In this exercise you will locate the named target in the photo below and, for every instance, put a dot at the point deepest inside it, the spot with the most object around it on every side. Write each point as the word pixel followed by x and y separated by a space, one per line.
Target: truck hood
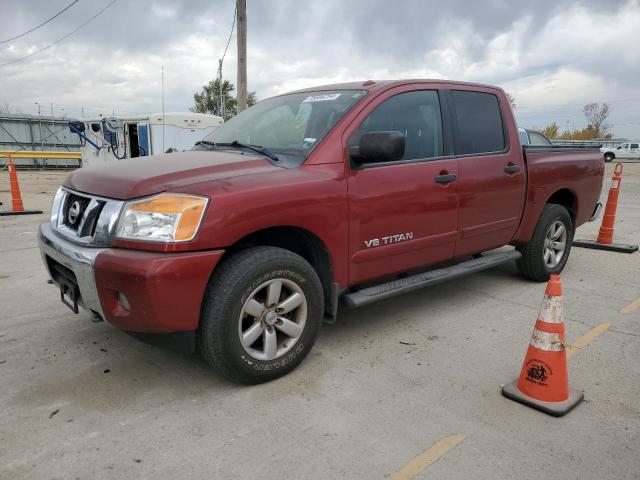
pixel 139 177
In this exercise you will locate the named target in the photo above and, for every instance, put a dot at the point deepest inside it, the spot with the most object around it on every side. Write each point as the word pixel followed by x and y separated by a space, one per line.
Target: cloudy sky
pixel 552 55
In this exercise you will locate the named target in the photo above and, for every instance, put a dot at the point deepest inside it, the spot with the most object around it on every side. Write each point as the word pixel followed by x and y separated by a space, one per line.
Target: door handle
pixel 446 178
pixel 511 168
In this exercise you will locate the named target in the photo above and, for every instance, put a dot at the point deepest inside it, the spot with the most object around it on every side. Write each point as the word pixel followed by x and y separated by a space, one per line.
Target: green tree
pixel 551 131
pixel 208 99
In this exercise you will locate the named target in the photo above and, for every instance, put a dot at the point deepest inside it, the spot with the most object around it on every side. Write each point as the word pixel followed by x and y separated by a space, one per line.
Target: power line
pixel 60 39
pixel 220 99
pixel 233 24
pixel 43 23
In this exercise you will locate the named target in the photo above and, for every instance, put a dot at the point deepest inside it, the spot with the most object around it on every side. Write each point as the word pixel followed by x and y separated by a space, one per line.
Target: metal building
pixel 21 132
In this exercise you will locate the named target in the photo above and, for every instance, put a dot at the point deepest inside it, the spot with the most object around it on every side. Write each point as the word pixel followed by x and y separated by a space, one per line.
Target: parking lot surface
pixel 409 386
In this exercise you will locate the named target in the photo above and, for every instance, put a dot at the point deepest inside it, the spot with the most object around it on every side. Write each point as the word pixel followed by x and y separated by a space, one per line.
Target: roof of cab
pixel 375 85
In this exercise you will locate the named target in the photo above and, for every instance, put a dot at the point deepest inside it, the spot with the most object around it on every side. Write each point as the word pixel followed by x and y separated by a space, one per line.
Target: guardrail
pixel 75 159
pixel 39 154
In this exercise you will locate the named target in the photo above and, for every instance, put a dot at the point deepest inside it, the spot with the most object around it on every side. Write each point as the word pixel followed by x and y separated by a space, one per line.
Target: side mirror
pixel 379 147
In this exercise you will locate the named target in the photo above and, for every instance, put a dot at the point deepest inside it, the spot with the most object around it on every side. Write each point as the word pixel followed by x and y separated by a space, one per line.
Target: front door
pixel 402 214
pixel 492 171
pixel 622 151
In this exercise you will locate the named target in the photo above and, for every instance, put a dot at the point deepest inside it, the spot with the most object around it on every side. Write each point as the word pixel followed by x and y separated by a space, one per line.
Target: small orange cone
pixel 605 235
pixel 16 198
pixel 544 383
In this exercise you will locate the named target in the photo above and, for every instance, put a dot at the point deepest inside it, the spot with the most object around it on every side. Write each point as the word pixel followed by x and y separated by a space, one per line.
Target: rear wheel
pixel 549 248
pixel 261 314
pixel 608 157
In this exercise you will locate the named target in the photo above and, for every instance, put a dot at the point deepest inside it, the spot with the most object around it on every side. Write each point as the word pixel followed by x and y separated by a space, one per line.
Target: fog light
pixel 124 303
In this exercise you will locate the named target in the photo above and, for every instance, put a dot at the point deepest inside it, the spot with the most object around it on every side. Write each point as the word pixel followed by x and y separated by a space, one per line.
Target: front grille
pixel 74 209
pixel 85 219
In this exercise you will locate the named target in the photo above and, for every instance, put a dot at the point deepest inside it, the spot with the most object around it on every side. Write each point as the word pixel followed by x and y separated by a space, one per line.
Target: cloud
pixel 553 56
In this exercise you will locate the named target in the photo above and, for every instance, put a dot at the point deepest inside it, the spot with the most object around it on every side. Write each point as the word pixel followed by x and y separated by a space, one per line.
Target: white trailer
pixel 111 139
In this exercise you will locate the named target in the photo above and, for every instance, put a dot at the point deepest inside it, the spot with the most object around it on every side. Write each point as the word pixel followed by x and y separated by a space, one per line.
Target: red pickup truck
pixel 353 192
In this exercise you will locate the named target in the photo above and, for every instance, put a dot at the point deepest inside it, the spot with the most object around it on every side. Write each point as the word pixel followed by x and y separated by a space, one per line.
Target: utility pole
pixel 53 125
pixel 241 8
pixel 40 126
pixel 220 99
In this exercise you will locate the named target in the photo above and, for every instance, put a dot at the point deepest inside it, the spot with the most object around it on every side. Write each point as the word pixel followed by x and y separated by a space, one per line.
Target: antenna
pixel 162 78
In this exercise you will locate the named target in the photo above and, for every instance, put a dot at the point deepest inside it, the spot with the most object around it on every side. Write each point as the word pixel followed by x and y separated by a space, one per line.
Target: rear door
pixel 402 214
pixel 634 150
pixel 491 170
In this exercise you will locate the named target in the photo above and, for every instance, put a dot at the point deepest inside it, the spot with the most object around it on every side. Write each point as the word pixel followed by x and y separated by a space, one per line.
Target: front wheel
pixel 261 314
pixel 608 157
pixel 549 248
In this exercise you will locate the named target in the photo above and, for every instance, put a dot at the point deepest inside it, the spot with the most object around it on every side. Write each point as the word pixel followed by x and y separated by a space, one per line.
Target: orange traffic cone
pixel 544 383
pixel 16 198
pixel 605 235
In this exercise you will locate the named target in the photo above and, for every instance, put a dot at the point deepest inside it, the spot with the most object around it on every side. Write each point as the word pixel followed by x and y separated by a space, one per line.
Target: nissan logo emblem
pixel 74 212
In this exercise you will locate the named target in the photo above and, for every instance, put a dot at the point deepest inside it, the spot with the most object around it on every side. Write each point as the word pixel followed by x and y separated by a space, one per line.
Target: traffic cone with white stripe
pixel 544 381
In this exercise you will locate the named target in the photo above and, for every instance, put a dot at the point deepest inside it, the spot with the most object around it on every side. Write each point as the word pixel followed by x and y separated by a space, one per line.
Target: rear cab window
pixel 480 129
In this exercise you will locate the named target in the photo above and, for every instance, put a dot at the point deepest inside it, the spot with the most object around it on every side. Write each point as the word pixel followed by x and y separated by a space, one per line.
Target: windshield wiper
pixel 206 142
pixel 255 148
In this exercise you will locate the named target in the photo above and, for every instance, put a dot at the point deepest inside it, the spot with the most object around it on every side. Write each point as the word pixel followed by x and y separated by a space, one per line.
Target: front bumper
pixel 76 258
pixel 135 291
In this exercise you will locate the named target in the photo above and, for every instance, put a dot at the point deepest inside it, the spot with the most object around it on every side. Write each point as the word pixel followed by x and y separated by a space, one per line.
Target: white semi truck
pixel 111 139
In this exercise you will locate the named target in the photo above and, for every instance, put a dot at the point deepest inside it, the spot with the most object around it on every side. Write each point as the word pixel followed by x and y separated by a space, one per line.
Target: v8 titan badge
pixel 376 242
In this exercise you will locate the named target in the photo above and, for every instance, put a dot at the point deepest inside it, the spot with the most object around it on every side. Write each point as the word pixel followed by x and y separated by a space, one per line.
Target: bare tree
pixel 6 107
pixel 512 100
pixel 597 118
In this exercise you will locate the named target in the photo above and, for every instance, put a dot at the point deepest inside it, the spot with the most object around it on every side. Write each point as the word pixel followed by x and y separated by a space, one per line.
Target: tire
pixel 608 157
pixel 243 284
pixel 534 263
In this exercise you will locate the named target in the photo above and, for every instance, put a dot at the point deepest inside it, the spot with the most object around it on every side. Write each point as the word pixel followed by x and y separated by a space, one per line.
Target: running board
pixel 414 282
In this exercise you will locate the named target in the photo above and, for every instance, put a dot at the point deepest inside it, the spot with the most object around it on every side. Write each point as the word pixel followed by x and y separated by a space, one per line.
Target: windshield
pixel 288 126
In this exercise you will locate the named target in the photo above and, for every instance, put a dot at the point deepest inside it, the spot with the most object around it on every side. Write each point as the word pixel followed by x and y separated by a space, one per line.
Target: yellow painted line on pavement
pixel 586 339
pixel 632 307
pixel 419 464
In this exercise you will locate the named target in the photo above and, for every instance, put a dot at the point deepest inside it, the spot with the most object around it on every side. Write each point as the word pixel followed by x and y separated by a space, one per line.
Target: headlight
pixel 55 206
pixel 162 218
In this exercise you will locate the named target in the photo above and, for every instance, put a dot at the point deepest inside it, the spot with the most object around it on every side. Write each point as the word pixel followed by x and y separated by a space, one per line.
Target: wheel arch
pixel 567 199
pixel 302 242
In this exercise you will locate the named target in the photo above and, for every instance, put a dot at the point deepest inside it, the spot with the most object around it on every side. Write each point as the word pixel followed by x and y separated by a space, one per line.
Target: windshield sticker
pixel 308 142
pixel 325 97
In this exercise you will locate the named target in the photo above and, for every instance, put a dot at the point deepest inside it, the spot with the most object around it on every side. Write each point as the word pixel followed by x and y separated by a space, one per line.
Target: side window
pixel 416 115
pixel 634 145
pixel 479 123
